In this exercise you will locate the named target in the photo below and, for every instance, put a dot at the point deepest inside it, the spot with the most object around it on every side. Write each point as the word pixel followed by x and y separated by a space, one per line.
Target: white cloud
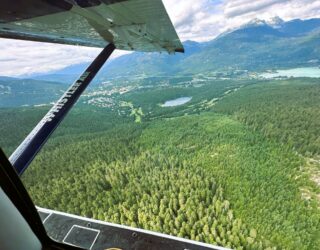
pixel 241 11
pixel 195 20
pixel 202 20
pixel 199 20
pixel 25 58
pixel 242 7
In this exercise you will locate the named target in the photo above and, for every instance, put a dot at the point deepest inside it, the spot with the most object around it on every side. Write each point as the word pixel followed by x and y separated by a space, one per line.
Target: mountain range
pixel 19 92
pixel 256 46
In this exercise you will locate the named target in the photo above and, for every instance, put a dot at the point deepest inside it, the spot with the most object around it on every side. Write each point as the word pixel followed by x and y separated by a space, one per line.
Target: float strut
pixel 28 149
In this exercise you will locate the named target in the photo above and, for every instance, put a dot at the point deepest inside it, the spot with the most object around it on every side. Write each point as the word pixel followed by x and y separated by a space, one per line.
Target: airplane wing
pixel 140 25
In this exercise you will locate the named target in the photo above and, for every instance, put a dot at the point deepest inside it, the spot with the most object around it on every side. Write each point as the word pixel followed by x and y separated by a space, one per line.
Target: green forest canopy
pixel 225 173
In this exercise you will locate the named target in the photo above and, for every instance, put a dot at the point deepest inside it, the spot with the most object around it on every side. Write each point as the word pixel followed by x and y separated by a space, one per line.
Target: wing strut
pixel 28 149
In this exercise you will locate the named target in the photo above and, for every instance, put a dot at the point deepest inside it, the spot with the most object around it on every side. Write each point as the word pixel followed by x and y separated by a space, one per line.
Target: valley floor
pixel 222 169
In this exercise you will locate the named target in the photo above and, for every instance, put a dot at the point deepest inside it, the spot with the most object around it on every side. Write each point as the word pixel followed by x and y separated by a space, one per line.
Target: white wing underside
pixel 140 25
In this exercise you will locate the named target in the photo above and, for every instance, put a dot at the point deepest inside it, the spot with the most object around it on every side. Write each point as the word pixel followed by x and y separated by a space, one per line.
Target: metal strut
pixel 28 149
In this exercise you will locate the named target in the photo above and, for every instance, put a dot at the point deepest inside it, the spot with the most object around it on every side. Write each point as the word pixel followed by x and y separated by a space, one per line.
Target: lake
pixel 176 102
pixel 296 72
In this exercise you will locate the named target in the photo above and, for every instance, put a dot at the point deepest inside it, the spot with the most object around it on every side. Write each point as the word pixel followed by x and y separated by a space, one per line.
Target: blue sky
pixel 198 20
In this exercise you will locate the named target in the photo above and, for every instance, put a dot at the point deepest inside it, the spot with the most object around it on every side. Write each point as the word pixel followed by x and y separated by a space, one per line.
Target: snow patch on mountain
pixel 275 22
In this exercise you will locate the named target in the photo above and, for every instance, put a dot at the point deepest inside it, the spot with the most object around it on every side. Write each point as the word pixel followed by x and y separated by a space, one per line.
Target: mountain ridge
pixel 257 45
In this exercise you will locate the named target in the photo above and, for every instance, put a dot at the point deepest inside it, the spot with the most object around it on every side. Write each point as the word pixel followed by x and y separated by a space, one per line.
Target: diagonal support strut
pixel 28 149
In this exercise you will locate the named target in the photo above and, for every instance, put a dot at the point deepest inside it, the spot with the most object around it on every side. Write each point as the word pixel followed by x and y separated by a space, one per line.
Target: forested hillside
pixel 287 111
pixel 222 168
pixel 22 92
